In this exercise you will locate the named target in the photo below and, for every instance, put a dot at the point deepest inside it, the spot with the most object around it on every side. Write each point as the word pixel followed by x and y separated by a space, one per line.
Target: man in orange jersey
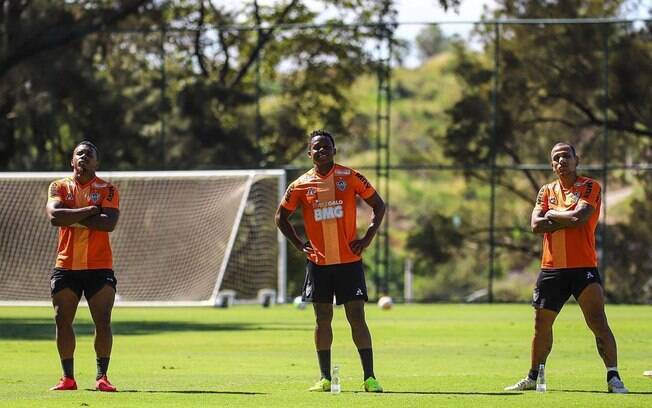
pixel 85 208
pixel 566 213
pixel 327 195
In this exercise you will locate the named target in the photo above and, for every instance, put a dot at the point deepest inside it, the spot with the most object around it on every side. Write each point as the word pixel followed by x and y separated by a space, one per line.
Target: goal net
pixel 182 236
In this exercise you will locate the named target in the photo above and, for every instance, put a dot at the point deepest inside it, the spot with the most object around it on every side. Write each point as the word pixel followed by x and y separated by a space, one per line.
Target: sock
pixel 324 357
pixel 102 367
pixel 367 359
pixel 68 366
pixel 533 374
pixel 612 372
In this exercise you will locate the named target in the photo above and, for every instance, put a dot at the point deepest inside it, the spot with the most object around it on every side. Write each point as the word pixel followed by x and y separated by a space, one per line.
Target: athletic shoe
pixel 322 385
pixel 103 384
pixel 372 385
pixel 616 386
pixel 526 384
pixel 65 384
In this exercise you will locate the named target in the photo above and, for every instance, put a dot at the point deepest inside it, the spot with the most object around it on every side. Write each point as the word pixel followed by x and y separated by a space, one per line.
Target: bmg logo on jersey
pixel 329 210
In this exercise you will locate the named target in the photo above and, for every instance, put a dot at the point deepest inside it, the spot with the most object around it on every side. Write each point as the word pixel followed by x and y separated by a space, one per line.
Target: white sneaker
pixel 616 386
pixel 525 384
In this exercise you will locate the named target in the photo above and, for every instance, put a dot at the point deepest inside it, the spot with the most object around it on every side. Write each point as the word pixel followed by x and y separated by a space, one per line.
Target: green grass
pixel 426 355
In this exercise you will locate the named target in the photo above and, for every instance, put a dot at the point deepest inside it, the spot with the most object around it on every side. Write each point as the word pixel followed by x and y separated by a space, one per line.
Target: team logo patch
pixel 341 184
pixel 359 292
pixel 95 197
pixel 69 196
pixel 589 275
pixel 553 200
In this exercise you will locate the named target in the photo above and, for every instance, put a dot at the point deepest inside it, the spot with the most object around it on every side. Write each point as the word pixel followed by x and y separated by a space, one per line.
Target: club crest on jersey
pixel 95 197
pixel 341 184
pixel 553 200
pixel 69 196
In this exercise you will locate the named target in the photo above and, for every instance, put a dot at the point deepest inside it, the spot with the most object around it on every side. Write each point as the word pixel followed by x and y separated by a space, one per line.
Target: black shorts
pixel 555 286
pixel 345 281
pixel 88 281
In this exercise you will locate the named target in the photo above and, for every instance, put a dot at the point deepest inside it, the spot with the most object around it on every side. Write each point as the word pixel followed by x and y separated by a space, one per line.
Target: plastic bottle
pixel 541 379
pixel 335 380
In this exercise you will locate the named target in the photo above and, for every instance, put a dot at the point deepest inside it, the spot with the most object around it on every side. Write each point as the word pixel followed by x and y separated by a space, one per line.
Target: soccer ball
pixel 385 302
pixel 648 373
pixel 298 303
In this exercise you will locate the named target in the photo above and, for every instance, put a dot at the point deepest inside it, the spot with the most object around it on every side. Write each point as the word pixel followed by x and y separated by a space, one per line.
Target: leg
pixel 65 304
pixel 359 330
pixel 323 329
pixel 542 340
pixel 101 305
pixel 591 300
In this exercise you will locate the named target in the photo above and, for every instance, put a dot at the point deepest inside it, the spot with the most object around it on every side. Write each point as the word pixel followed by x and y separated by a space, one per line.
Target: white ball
pixel 298 303
pixel 385 302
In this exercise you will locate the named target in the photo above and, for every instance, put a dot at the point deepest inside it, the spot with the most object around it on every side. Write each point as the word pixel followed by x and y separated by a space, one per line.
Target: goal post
pixel 183 236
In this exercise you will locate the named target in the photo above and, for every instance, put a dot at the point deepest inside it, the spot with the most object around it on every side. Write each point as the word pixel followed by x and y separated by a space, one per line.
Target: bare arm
pixel 540 224
pixel 378 206
pixel 283 223
pixel 60 216
pixel 105 221
pixel 575 218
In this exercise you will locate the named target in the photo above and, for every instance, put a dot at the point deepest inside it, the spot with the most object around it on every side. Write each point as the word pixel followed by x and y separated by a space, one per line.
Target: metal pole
pixel 494 137
pixel 605 151
pixel 162 101
pixel 258 117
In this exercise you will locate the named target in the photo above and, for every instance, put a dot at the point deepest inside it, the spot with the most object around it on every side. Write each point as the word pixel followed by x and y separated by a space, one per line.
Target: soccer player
pixel 85 208
pixel 327 196
pixel 566 213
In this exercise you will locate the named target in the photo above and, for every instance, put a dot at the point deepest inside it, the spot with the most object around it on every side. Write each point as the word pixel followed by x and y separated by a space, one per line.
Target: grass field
pixel 426 355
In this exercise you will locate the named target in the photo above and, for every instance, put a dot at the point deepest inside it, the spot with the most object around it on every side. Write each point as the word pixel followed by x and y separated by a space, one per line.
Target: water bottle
pixel 541 379
pixel 335 380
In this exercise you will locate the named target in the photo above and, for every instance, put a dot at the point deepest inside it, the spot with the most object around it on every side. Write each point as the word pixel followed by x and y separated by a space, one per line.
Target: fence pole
pixel 162 103
pixel 605 150
pixel 493 142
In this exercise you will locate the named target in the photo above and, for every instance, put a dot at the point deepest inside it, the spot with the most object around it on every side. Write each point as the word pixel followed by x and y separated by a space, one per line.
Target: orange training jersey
pixel 570 247
pixel 329 211
pixel 80 247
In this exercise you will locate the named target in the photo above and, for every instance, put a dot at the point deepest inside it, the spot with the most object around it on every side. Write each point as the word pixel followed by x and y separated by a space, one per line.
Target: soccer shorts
pixel 555 286
pixel 87 282
pixel 344 281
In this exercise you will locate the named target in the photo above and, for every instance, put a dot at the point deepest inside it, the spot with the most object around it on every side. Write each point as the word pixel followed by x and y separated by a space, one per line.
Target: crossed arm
pixel 552 220
pixel 91 217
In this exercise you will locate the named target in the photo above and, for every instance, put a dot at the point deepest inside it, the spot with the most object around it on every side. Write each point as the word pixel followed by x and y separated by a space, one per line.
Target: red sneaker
pixel 103 384
pixel 65 384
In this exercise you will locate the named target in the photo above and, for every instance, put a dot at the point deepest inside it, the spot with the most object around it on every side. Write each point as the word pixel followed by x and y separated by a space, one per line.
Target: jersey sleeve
pixel 362 186
pixel 112 198
pixel 54 191
pixel 591 194
pixel 541 203
pixel 291 198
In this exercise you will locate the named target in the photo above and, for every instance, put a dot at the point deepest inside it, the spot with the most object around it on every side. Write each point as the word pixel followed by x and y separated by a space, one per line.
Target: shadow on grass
pixel 192 392
pixel 43 329
pixel 490 394
pixel 605 392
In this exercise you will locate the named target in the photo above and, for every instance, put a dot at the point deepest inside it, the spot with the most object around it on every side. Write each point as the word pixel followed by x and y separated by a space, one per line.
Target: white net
pixel 182 236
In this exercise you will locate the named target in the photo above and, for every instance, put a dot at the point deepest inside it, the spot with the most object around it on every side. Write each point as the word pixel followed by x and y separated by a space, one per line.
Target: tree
pixel 431 41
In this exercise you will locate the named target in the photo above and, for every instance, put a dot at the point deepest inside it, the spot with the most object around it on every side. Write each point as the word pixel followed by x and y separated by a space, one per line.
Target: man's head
pixel 564 159
pixel 321 147
pixel 85 158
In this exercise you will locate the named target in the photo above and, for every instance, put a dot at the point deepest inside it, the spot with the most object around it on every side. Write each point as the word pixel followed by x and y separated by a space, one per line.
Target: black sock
pixel 68 366
pixel 533 374
pixel 611 374
pixel 324 357
pixel 367 359
pixel 102 367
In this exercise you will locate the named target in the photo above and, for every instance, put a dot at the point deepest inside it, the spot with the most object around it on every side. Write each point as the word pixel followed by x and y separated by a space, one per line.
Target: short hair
pixel 566 144
pixel 321 132
pixel 91 145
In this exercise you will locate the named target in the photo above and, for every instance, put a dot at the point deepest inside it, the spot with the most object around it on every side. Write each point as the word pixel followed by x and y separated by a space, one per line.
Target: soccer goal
pixel 182 239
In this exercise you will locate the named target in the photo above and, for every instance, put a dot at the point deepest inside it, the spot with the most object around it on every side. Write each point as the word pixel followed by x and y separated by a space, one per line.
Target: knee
pixel 598 323
pixel 542 326
pixel 356 320
pixel 323 320
pixel 62 320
